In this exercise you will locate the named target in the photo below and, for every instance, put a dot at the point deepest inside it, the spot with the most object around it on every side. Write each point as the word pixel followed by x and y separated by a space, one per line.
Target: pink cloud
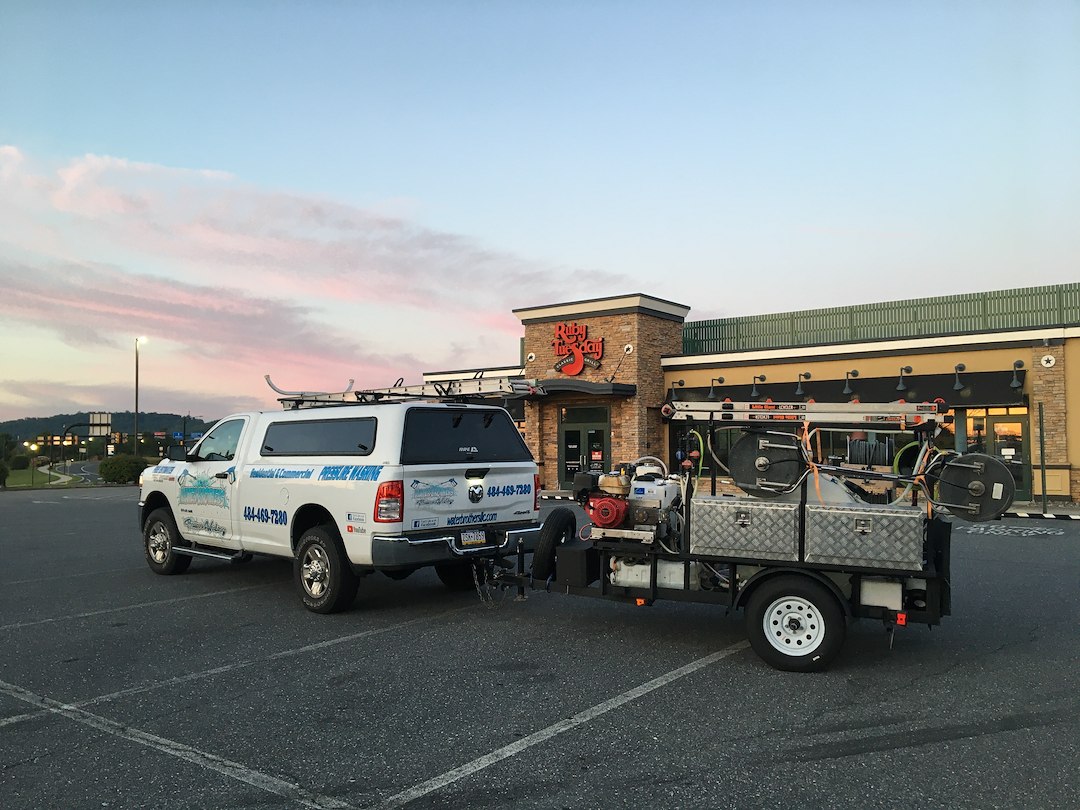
pixel 247 281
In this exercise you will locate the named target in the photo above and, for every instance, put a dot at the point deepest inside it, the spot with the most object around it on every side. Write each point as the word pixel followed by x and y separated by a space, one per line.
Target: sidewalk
pixel 1034 509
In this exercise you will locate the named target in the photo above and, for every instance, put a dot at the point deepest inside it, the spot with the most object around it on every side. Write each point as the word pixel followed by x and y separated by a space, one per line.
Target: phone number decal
pixel 509 489
pixel 277 517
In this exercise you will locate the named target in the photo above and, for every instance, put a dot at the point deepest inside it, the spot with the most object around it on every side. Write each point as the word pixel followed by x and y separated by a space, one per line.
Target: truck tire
pixel 560 526
pixel 160 537
pixel 795 624
pixel 326 582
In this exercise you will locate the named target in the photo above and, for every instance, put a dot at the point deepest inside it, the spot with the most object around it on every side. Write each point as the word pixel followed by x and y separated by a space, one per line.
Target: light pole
pixel 135 440
pixel 33 448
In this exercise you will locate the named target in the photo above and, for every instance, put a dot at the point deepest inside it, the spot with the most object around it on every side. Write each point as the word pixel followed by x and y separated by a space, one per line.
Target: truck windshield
pixel 446 435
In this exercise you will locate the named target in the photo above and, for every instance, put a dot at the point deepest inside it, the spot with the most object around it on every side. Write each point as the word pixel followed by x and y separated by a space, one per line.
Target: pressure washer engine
pixel 636 501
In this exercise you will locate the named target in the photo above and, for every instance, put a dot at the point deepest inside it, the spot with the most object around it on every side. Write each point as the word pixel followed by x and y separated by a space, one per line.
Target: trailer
pixel 798 543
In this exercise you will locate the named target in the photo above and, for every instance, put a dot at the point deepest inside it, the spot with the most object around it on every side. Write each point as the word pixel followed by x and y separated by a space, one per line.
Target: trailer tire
pixel 326 582
pixel 795 624
pixel 160 537
pixel 560 526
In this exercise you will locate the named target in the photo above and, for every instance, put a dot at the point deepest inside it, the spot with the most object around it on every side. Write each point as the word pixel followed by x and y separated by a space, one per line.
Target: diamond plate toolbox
pixel 744 527
pixel 865 536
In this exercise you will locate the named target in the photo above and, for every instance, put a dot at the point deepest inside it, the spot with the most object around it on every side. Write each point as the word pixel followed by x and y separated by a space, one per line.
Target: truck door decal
pixel 202 490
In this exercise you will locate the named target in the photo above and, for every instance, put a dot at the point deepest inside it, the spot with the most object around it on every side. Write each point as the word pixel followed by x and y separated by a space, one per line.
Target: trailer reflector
pixel 901 619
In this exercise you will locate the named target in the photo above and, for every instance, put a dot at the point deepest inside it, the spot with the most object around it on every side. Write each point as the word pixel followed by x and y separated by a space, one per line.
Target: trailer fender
pixel 769 573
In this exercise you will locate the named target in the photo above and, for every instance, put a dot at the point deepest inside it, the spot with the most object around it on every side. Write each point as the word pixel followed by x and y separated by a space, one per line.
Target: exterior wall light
pixel 848 377
pixel 712 391
pixel 958 385
pixel 753 390
pixel 1017 365
pixel 803 375
pixel 902 386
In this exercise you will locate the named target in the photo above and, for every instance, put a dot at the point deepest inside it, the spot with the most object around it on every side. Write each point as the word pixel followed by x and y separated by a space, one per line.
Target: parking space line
pixel 36 622
pixel 226 767
pixel 208 673
pixel 516 747
pixel 71 576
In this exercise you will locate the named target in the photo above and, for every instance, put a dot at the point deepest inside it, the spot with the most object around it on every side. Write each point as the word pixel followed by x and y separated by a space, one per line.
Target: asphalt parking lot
pixel 216 689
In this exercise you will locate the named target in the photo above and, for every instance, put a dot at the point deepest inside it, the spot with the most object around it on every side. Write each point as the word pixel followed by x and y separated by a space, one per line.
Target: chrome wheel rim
pixel 158 543
pixel 794 626
pixel 315 571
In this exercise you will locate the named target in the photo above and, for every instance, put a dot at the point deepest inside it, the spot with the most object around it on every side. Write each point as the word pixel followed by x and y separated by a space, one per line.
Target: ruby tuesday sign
pixel 574 350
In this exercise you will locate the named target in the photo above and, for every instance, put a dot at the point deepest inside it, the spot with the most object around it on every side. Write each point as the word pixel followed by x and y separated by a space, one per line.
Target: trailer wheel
pixel 327 584
pixel 795 624
pixel 560 526
pixel 160 536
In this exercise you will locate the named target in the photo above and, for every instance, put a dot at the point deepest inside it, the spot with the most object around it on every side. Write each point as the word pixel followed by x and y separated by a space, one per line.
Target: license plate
pixel 473 537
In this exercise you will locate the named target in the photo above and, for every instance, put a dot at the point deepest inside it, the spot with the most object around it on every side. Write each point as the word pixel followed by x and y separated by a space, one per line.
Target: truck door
pixel 207 499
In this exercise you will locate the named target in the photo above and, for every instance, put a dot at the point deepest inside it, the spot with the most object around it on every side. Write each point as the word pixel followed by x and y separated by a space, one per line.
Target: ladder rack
pixel 886 416
pixel 452 390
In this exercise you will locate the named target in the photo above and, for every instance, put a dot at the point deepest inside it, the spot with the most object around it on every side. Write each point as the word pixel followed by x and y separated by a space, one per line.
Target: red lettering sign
pixel 575 350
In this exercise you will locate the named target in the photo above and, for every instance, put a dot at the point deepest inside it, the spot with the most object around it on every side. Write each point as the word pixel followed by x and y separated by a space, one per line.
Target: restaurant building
pixel 1005 363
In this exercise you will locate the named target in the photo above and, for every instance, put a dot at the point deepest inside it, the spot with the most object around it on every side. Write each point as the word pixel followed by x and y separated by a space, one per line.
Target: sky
pixel 330 190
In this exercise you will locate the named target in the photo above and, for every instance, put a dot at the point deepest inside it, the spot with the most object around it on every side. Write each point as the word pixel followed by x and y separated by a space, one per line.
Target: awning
pixel 570 385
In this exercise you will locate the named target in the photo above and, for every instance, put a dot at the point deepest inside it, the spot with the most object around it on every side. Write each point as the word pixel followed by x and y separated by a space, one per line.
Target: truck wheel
pixel 327 583
pixel 459 576
pixel 795 624
pixel 160 536
pixel 560 526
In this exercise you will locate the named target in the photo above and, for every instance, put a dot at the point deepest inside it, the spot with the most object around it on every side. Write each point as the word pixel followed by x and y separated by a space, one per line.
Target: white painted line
pixel 36 622
pixel 209 673
pixel 226 767
pixel 71 576
pixel 516 747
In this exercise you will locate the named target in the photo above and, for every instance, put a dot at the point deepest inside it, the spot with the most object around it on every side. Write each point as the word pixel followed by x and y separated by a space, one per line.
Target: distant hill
pixel 32 427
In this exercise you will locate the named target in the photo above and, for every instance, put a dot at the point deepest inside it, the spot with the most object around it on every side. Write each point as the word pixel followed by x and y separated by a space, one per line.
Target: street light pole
pixel 33 448
pixel 135 440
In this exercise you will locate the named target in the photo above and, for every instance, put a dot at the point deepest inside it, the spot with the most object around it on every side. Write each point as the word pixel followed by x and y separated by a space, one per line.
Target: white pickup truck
pixel 344 491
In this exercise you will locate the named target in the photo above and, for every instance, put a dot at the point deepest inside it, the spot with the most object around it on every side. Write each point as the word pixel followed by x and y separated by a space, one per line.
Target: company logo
pixel 476 493
pixel 575 350
pixel 426 493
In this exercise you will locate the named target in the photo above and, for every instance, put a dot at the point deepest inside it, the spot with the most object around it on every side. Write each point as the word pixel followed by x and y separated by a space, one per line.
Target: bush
pixel 20 462
pixel 122 469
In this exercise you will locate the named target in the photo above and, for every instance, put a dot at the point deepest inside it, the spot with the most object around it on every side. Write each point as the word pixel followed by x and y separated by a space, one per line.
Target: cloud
pixel 204 222
pixel 233 281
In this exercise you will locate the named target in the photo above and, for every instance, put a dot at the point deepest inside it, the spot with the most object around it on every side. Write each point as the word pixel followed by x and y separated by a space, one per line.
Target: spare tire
pixel 560 526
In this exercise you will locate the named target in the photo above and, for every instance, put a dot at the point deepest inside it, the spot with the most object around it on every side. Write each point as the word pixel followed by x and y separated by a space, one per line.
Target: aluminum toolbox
pixel 744 527
pixel 865 536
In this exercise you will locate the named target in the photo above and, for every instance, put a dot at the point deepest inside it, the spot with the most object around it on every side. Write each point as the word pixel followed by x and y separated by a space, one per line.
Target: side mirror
pixel 177 453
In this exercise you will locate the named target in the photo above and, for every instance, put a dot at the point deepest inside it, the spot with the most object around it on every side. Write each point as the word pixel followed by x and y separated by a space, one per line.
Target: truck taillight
pixel 536 493
pixel 389 502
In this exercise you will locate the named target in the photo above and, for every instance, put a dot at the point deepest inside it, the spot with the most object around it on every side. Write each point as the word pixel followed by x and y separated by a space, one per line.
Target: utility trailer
pixel 799 549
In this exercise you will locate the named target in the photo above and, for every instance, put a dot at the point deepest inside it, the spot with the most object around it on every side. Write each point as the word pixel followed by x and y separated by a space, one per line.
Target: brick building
pixel 1004 362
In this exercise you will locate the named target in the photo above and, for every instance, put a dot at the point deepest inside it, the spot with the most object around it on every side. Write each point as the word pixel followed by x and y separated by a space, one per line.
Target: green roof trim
pixel 969 313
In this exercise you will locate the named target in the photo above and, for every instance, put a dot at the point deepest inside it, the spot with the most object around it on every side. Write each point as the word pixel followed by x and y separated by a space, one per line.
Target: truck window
pixel 221 442
pixel 437 436
pixel 321 437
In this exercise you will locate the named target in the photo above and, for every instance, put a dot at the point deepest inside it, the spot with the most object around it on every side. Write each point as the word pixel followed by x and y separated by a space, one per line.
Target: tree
pixel 3 475
pixel 122 469
pixel 7 446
